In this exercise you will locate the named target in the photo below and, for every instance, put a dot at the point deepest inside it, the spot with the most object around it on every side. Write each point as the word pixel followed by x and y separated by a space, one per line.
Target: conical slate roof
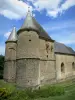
pixel 12 36
pixel 63 49
pixel 31 24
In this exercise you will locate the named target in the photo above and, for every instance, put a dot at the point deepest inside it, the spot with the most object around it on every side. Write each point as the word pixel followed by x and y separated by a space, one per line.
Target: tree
pixel 1 66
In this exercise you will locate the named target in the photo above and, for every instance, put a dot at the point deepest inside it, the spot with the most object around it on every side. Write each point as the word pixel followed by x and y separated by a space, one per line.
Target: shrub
pixel 19 95
pixel 1 66
pixel 4 93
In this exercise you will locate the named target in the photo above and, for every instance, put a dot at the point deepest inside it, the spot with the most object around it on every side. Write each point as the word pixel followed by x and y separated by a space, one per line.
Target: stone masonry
pixel 33 59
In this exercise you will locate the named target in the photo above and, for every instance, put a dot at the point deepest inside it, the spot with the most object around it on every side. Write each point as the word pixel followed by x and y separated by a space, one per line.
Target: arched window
pixel 62 68
pixel 73 66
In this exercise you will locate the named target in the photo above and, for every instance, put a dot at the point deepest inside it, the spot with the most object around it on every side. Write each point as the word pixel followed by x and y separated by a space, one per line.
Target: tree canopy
pixel 1 65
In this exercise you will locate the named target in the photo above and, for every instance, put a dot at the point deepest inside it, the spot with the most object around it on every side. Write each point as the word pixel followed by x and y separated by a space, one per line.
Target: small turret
pixel 11 46
pixel 10 57
pixel 13 36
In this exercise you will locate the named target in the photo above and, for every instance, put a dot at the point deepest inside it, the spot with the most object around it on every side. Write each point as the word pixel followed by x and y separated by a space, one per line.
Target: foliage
pixel 4 93
pixel 1 66
pixel 18 95
pixel 6 89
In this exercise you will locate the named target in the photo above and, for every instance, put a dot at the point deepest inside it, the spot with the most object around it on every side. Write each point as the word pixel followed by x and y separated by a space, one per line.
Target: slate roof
pixel 31 24
pixel 12 36
pixel 63 49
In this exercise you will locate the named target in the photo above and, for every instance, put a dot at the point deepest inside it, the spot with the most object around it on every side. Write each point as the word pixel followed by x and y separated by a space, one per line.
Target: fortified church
pixel 33 58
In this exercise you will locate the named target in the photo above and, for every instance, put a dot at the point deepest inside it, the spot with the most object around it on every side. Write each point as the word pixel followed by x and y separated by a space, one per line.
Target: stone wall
pixel 35 60
pixel 28 59
pixel 28 73
pixel 47 72
pixel 28 45
pixel 47 62
pixel 67 70
pixel 45 50
pixel 10 71
pixel 10 62
pixel 10 51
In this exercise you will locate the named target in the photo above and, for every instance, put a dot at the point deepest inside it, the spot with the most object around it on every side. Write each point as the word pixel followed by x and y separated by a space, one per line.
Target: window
pixel 29 39
pixel 62 68
pixel 47 56
pixel 73 66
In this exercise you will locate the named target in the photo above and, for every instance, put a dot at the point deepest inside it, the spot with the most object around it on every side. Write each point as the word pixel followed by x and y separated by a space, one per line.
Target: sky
pixel 57 17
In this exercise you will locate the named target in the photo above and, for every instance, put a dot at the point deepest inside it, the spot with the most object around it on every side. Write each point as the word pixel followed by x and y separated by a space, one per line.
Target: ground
pixel 69 87
pixel 69 95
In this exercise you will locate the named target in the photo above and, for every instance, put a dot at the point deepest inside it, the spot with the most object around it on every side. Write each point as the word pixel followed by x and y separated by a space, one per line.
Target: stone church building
pixel 33 58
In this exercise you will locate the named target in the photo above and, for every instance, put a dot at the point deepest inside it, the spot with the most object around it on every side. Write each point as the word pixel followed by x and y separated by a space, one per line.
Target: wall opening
pixel 47 47
pixel 62 68
pixel 47 56
pixel 51 48
pixel 29 39
pixel 73 66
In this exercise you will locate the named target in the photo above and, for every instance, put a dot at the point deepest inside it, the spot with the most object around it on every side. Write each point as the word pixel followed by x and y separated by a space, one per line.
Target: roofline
pixel 64 53
pixel 51 40
pixel 26 29
pixel 30 29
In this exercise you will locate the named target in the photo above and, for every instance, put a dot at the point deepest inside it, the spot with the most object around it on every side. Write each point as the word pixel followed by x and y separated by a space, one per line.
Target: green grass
pixel 43 93
pixel 10 87
pixel 69 92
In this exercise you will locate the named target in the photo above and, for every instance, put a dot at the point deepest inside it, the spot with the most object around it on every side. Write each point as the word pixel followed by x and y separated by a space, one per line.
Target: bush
pixel 1 66
pixel 1 74
pixel 6 90
pixel 4 93
pixel 19 95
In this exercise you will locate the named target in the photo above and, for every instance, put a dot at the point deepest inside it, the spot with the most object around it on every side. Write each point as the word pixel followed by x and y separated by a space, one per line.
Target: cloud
pixel 52 7
pixel 46 4
pixel 13 9
pixel 17 9
pixel 6 35
pixel 67 4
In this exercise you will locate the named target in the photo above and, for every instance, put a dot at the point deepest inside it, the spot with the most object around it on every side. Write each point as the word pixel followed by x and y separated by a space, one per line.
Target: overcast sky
pixel 57 17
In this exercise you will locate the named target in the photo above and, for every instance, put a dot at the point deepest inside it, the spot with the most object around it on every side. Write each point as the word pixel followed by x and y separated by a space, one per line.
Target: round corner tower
pixel 28 54
pixel 10 57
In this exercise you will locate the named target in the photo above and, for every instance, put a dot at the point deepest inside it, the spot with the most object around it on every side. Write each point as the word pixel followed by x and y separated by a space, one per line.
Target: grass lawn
pixel 69 92
pixel 68 85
